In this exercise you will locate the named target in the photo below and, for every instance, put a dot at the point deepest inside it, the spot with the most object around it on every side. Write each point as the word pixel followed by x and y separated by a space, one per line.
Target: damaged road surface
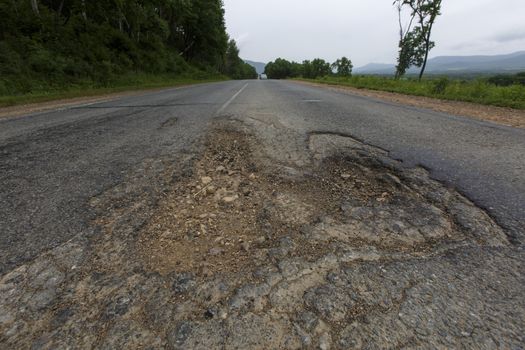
pixel 194 220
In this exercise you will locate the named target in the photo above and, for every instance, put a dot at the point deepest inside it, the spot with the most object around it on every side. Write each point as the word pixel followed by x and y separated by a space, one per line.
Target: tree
pixel 235 67
pixel 34 7
pixel 279 69
pixel 306 69
pixel 315 68
pixel 232 58
pixel 411 52
pixel 320 67
pixel 343 67
pixel 415 43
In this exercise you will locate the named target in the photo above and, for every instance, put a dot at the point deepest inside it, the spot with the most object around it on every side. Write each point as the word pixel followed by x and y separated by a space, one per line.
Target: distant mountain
pixel 376 68
pixel 259 66
pixel 510 63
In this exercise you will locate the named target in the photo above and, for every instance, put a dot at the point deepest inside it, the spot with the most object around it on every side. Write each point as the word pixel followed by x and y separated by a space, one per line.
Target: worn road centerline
pixel 224 106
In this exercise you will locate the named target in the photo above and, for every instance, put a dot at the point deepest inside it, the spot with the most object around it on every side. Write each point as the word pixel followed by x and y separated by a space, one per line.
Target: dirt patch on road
pixel 230 212
pixel 499 115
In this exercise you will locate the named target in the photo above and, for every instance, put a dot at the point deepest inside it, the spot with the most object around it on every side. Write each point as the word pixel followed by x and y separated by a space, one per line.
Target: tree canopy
pixel 316 68
pixel 57 40
pixel 414 41
pixel 343 67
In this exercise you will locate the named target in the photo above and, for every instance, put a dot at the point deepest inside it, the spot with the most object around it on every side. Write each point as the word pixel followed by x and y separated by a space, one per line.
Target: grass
pixel 129 82
pixel 476 91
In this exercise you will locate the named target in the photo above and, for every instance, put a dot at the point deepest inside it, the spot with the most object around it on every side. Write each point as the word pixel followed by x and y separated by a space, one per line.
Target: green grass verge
pixel 477 91
pixel 130 82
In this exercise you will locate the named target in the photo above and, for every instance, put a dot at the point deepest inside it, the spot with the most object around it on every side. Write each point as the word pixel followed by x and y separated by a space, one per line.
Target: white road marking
pixel 224 106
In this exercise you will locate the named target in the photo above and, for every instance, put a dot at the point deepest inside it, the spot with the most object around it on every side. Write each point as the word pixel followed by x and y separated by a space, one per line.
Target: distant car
pixel 263 76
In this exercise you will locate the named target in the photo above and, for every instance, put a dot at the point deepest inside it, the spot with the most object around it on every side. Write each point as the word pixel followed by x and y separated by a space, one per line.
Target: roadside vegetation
pixel 53 49
pixel 482 91
pixel 500 90
pixel 129 82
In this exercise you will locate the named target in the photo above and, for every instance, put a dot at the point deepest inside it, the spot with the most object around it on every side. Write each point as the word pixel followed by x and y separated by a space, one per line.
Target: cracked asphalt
pixel 260 214
pixel 483 160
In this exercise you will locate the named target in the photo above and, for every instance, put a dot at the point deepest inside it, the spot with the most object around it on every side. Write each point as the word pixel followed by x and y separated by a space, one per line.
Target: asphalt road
pixel 53 163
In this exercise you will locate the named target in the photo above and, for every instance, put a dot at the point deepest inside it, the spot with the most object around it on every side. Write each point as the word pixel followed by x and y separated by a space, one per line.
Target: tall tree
pixel 415 41
pixel 320 68
pixel 34 6
pixel 235 67
pixel 343 67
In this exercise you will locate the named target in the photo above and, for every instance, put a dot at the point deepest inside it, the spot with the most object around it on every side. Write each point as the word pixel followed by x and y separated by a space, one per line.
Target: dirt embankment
pixel 499 115
pixel 267 240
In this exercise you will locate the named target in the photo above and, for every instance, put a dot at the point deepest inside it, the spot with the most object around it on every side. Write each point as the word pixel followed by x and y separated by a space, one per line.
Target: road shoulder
pixel 37 107
pixel 500 115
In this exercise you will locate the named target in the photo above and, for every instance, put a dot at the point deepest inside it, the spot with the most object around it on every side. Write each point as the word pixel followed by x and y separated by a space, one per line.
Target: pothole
pixel 232 211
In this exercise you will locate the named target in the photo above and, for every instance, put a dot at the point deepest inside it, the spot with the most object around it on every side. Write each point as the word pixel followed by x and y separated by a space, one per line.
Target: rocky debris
pixel 230 199
pixel 183 283
pixel 206 180
pixel 339 247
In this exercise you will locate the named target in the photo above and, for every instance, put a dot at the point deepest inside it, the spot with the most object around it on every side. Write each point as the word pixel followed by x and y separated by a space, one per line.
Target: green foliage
pixel 65 43
pixel 343 67
pixel 414 42
pixel 235 67
pixel 283 69
pixel 477 91
pixel 440 85
pixel 316 68
pixel 507 79
pixel 411 51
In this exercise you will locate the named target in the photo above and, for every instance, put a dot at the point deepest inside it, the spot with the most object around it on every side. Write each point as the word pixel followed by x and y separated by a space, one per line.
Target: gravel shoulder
pixel 499 115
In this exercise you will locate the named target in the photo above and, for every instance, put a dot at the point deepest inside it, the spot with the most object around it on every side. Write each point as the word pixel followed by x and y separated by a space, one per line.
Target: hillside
pixel 510 63
pixel 55 46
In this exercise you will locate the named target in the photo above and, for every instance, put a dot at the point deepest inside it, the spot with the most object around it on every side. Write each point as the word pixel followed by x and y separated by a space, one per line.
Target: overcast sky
pixel 367 30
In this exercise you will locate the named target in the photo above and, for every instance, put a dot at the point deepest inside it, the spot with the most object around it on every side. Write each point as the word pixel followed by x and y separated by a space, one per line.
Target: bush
pixel 508 80
pixel 440 86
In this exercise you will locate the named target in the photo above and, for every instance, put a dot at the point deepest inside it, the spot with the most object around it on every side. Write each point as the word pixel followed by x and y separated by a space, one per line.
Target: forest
pixel 56 44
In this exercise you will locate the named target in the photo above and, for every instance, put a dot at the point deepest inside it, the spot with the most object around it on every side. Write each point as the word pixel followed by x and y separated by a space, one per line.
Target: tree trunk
pixel 188 47
pixel 84 14
pixel 34 6
pixel 15 7
pixel 424 65
pixel 60 8
pixel 427 49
